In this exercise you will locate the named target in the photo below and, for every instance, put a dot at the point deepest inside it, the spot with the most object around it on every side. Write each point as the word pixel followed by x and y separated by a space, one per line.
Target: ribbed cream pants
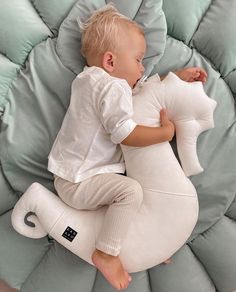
pixel 122 195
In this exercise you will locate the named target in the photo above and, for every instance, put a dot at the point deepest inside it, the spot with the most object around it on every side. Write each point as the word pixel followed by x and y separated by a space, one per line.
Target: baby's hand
pixel 192 74
pixel 167 125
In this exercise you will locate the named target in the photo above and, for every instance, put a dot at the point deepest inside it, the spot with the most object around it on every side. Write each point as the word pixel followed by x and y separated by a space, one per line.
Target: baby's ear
pixel 108 62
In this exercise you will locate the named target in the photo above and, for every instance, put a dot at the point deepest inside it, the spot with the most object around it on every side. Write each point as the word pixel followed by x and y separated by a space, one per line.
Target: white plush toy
pixel 170 207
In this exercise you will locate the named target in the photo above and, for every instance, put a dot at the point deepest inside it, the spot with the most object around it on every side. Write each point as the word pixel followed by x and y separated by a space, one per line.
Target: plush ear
pixel 108 62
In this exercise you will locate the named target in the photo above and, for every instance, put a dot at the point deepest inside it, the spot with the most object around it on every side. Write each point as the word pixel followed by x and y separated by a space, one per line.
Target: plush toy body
pixel 170 208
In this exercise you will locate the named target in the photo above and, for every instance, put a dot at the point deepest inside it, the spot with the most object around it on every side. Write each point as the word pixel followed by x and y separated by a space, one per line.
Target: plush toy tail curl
pixel 32 215
pixel 24 217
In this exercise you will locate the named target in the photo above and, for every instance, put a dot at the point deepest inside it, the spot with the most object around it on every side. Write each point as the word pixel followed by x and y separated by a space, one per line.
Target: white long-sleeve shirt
pixel 99 117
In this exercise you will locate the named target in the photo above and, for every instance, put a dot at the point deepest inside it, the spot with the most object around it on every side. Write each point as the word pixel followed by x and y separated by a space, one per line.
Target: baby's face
pixel 129 58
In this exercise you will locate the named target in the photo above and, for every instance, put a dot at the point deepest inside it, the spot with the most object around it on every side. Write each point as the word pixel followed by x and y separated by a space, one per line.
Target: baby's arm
pixel 144 136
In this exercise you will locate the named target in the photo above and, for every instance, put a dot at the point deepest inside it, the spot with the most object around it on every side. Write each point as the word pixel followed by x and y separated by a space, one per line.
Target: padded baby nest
pixel 38 62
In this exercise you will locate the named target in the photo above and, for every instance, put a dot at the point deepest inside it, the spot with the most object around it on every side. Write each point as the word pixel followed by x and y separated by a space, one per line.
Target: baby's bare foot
pixel 112 269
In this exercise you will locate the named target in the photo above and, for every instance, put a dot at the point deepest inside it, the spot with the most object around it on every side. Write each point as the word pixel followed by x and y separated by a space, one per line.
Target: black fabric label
pixel 69 233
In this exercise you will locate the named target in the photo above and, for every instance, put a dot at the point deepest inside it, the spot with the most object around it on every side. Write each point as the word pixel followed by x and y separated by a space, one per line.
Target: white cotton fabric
pixel 97 120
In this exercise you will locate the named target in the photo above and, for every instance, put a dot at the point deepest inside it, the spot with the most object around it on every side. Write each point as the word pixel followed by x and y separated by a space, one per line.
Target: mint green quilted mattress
pixel 39 58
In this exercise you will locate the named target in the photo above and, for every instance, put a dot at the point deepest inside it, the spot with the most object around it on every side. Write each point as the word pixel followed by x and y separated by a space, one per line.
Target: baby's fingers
pixel 163 116
pixel 202 75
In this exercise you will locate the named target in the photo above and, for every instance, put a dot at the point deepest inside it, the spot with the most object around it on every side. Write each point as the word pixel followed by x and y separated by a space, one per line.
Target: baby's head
pixel 115 43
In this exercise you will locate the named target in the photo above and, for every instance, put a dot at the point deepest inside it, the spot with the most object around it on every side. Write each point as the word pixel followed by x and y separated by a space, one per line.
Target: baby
pixel 86 157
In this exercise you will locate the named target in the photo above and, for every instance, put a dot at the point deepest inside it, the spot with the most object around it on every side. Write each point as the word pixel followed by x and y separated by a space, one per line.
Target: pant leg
pixel 121 194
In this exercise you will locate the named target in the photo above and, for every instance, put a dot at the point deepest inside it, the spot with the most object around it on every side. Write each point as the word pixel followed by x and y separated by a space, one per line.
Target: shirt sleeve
pixel 116 111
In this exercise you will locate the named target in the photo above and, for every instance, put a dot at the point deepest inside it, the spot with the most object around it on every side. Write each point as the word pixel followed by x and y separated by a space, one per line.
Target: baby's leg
pixel 126 198
pixel 123 196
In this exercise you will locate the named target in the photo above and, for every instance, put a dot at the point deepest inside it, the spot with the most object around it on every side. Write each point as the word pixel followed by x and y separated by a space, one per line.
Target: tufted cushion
pixel 27 29
pixel 8 71
pixel 35 78
pixel 52 13
pixel 220 50
pixel 183 28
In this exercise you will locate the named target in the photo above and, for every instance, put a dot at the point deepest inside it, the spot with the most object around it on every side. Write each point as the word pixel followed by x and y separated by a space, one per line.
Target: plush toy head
pixel 187 106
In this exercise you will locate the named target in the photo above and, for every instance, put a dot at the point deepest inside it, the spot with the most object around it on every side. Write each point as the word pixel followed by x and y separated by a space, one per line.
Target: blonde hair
pixel 101 31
